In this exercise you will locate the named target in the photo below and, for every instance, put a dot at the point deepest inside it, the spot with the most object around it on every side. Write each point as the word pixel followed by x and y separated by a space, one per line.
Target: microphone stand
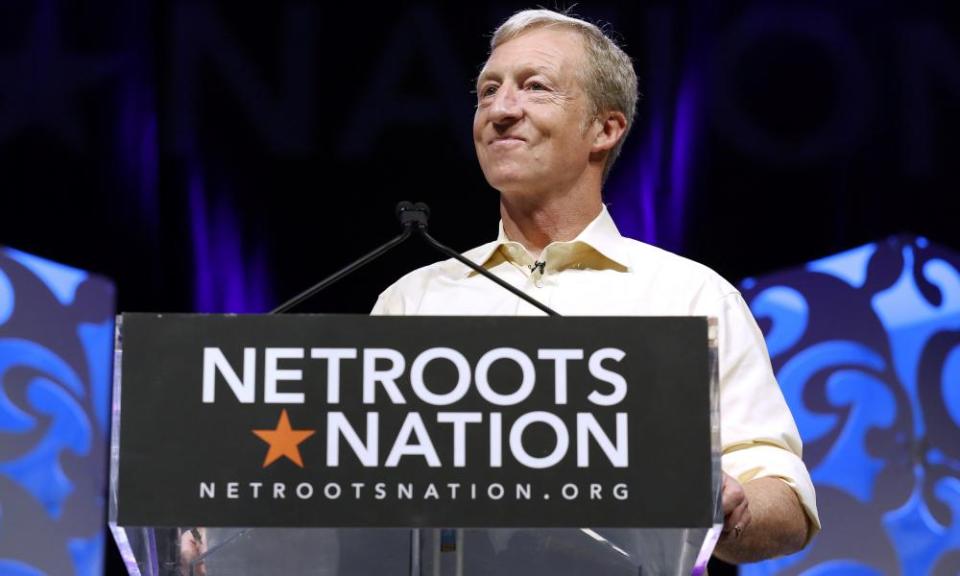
pixel 413 218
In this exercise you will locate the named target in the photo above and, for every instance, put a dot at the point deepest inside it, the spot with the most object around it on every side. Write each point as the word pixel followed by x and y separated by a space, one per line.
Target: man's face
pixel 530 125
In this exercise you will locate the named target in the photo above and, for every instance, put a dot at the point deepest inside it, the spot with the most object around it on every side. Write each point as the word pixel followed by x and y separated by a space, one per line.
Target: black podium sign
pixel 341 421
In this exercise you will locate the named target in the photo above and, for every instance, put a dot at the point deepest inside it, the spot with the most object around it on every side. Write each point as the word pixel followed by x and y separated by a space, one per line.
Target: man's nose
pixel 507 105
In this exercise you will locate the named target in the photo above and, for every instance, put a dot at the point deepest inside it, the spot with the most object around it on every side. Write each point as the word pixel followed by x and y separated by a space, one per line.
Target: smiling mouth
pixel 506 140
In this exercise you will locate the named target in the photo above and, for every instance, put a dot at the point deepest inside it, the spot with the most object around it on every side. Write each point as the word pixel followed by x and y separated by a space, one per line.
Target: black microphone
pixel 411 214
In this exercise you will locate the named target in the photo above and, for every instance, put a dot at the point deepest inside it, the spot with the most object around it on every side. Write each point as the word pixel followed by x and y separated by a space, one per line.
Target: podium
pixel 354 445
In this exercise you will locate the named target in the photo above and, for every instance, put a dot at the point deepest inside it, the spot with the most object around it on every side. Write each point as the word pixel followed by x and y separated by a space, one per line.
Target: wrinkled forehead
pixel 551 50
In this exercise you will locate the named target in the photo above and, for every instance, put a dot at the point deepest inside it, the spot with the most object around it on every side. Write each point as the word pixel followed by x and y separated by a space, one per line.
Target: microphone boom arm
pixel 413 217
pixel 484 272
pixel 343 272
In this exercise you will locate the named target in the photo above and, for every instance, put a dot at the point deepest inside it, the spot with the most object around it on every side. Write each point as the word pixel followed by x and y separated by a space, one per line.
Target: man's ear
pixel 609 128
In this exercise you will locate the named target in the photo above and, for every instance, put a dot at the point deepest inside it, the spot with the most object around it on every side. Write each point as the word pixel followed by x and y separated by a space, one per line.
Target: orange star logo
pixel 283 441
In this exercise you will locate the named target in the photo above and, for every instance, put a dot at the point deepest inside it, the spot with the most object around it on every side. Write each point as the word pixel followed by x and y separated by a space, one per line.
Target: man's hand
pixel 762 518
pixel 736 508
pixel 192 545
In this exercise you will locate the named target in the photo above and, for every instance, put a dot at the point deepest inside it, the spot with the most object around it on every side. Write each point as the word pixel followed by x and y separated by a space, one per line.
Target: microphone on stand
pixel 414 217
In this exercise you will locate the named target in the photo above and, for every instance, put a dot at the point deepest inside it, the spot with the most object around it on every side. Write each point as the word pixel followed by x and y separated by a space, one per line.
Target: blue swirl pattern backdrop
pixel 866 346
pixel 56 343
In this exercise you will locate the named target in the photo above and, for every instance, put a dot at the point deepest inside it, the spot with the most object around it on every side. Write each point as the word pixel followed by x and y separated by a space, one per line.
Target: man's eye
pixel 488 91
pixel 535 86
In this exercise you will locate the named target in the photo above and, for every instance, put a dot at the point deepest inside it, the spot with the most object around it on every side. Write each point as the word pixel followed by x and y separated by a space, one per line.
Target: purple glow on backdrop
pixel 140 153
pixel 149 159
pixel 629 194
pixel 650 181
pixel 632 191
pixel 228 260
pixel 203 299
pixel 641 184
pixel 223 283
pixel 652 190
pixel 681 159
pixel 226 257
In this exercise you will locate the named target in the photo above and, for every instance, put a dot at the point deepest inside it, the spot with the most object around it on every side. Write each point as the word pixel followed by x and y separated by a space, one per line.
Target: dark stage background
pixel 221 156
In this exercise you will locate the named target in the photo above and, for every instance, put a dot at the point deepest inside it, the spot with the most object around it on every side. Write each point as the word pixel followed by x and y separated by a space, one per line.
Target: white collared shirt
pixel 601 273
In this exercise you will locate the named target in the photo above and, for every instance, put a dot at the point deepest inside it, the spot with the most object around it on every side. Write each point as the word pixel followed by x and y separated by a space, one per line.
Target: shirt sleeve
pixel 388 303
pixel 758 433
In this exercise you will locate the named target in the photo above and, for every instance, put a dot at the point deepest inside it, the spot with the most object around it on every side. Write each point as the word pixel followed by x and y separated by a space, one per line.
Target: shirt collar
pixel 601 237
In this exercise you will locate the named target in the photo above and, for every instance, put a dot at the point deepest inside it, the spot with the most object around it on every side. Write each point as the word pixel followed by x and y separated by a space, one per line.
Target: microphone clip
pixel 413 215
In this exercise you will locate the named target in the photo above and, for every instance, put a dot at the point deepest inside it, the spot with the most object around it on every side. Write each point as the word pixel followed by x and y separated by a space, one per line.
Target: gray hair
pixel 609 79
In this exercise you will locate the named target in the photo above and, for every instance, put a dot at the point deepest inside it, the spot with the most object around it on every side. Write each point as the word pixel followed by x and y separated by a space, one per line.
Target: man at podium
pixel 555 100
